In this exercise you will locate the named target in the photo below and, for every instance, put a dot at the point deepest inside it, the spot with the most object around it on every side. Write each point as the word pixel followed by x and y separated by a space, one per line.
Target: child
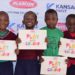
pixel 27 63
pixel 6 67
pixel 53 34
pixel 70 34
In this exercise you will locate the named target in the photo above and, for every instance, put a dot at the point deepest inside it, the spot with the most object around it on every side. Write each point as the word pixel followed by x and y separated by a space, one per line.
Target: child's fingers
pixel 59 43
pixel 46 40
pixel 66 61
pixel 18 40
pixel 17 51
pixel 41 59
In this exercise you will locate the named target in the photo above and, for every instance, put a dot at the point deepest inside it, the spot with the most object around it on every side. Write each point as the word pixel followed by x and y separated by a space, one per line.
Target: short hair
pixel 30 12
pixel 70 16
pixel 4 13
pixel 52 11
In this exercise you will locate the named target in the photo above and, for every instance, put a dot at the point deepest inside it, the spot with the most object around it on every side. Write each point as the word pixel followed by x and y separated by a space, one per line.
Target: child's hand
pixel 17 51
pixel 66 61
pixel 41 59
pixel 59 44
pixel 46 40
pixel 18 40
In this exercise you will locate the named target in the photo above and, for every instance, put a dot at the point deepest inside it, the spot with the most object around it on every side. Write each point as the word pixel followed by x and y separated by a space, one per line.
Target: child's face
pixel 71 24
pixel 51 20
pixel 30 21
pixel 4 21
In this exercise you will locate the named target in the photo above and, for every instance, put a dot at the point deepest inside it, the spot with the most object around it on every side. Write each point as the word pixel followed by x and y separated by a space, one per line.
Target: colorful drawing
pixel 67 47
pixel 32 39
pixel 54 65
pixel 7 50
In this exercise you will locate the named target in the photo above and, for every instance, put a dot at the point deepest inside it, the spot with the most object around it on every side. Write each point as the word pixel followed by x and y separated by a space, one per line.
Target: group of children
pixel 27 60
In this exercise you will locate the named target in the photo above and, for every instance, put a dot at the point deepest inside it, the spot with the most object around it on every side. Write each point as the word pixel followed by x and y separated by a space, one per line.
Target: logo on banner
pixel 23 4
pixel 49 5
pixel 61 7
pixel 61 26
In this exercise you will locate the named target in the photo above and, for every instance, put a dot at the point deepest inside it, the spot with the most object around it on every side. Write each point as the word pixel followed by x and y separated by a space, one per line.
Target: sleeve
pixel 14 36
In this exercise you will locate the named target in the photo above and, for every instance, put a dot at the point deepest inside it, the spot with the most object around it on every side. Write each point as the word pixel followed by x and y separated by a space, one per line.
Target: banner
pixel 53 66
pixel 67 47
pixel 7 50
pixel 32 39
pixel 17 8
